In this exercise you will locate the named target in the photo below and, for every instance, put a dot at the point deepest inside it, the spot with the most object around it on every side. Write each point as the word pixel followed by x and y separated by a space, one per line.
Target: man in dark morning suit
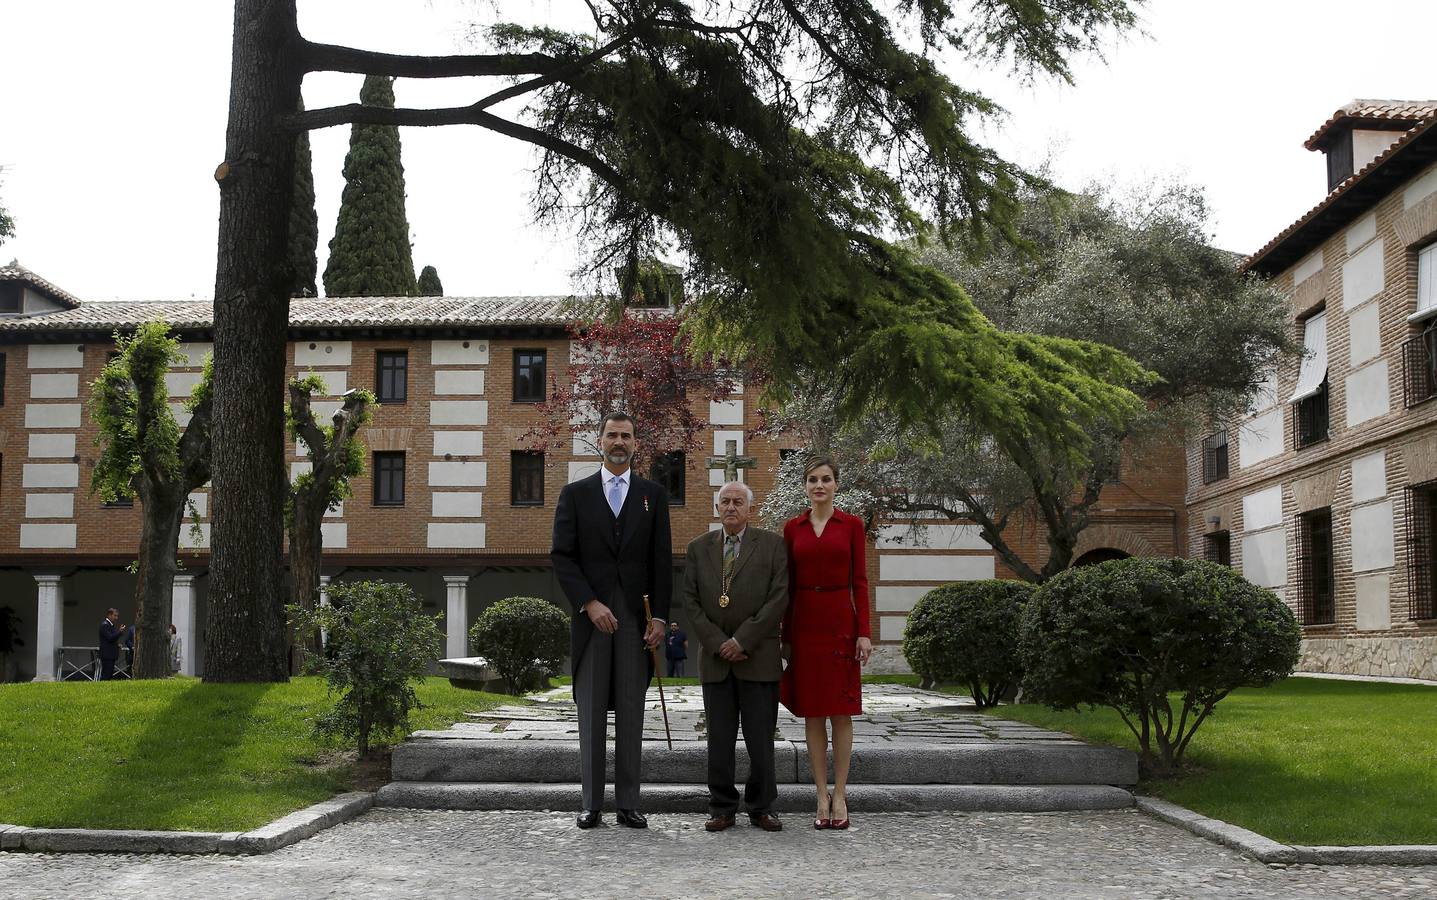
pixel 110 633
pixel 611 547
pixel 735 593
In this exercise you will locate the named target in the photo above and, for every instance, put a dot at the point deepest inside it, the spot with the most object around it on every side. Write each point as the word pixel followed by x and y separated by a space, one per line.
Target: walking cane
pixel 658 673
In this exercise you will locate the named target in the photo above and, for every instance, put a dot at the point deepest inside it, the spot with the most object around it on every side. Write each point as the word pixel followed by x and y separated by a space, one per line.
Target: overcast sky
pixel 112 119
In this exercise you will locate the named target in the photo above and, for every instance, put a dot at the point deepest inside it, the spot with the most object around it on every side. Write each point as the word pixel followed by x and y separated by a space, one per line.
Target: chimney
pixel 1362 130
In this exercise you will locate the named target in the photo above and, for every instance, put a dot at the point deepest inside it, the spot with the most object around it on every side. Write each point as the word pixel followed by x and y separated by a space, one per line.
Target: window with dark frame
pixel 12 298
pixel 389 478
pixel 393 368
pixel 2 379
pixel 1310 418
pixel 526 480
pixel 1422 551
pixel 119 503
pixel 1214 457
pixel 530 375
pixel 1419 353
pixel 1315 582
pixel 670 470
pixel 1218 547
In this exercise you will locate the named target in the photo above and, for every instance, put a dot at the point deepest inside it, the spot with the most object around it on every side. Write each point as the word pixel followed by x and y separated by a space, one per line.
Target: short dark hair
pixel 616 416
pixel 819 462
pixel 112 610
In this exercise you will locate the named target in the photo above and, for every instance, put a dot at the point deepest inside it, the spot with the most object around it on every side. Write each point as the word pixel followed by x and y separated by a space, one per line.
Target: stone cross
pixel 731 462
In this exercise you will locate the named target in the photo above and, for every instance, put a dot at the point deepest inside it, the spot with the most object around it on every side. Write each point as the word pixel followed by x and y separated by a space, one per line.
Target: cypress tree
pixel 303 221
pixel 369 255
pixel 429 284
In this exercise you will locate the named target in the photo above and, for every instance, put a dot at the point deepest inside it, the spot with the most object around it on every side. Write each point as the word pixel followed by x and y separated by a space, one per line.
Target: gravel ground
pixel 411 853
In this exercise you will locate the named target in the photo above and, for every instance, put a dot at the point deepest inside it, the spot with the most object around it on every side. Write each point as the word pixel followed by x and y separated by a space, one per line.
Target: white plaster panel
pixel 1260 437
pixel 584 469
pixel 189 540
pixel 458 412
pixel 336 382
pixel 1372 537
pixel 54 386
pixel 1368 144
pixel 1364 328
pixel 1369 477
pixel 50 475
pixel 458 474
pixel 52 415
pixel 1264 558
pixel 1361 231
pixel 179 384
pixel 182 415
pixel 336 511
pixel 48 445
pixel 1308 267
pixel 201 502
pixel 308 354
pixel 1367 393
pixel 1418 189
pixel 334 534
pixel 56 356
pixel 934 568
pixel 457 504
pixel 49 506
pixel 1374 602
pixel 459 353
pixel 456 535
pixel 934 537
pixel 1262 509
pixel 297 469
pixel 195 354
pixel 585 443
pixel 47 537
pixel 726 412
pixel 459 443
pixel 900 599
pixel 717 477
pixel 891 628
pixel 459 382
pixel 721 438
pixel 1362 275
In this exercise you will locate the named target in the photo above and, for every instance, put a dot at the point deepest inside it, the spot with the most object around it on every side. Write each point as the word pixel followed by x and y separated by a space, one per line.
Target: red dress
pixel 827 613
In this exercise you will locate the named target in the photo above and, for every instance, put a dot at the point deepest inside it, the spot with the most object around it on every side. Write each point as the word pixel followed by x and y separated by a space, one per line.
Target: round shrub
pixel 968 632
pixel 1144 636
pixel 525 639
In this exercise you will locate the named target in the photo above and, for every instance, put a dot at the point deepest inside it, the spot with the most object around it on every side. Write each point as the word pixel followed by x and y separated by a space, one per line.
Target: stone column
pixel 456 618
pixel 324 601
pixel 182 614
pixel 49 625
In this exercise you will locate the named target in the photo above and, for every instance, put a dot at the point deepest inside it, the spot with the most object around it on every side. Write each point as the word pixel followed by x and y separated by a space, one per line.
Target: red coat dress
pixel 827 613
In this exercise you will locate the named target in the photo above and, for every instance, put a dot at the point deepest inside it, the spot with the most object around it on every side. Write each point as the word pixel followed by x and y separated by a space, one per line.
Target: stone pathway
pixel 406 853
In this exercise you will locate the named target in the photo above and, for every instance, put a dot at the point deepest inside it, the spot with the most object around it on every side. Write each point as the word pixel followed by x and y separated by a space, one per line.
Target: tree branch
pixel 558 73
pixel 332 58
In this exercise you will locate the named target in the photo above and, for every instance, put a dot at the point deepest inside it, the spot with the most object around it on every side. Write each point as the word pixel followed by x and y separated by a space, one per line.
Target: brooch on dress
pixel 646 503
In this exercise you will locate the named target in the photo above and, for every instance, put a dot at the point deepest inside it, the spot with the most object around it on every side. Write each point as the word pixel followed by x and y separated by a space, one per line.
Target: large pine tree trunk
pixel 154 592
pixel 246 636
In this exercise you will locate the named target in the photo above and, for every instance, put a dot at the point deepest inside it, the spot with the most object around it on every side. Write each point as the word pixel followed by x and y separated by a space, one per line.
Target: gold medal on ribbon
pixel 723 601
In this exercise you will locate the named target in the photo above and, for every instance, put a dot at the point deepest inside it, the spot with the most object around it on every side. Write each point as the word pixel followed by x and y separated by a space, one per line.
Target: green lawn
pixel 178 754
pixel 1307 761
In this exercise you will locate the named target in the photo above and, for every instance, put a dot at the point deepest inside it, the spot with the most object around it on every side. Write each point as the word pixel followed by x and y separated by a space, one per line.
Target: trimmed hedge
pixel 968 632
pixel 525 639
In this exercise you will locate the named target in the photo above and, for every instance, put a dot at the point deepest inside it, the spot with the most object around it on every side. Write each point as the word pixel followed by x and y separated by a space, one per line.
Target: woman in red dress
pixel 825 633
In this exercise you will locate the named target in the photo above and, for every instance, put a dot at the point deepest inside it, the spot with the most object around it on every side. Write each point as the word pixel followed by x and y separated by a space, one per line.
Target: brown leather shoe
pixel 719 823
pixel 766 821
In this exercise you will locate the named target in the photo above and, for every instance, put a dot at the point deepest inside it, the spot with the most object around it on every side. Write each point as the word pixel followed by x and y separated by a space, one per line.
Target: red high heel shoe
pixel 838 824
pixel 823 824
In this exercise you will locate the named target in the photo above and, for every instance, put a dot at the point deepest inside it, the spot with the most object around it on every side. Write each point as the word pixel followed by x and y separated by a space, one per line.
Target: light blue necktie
pixel 616 496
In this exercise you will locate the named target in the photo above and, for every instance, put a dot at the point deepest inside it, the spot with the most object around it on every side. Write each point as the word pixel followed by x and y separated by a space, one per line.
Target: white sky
pixel 112 119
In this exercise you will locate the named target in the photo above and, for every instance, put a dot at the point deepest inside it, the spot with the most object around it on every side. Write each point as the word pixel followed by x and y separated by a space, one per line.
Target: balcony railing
pixel 1419 368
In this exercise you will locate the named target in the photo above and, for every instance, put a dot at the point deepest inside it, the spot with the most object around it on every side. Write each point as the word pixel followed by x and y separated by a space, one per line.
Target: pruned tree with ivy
pixel 144 454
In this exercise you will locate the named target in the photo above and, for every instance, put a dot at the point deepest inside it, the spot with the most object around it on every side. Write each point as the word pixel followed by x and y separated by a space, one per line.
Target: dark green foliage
pixel 1139 634
pixel 525 639
pixel 369 255
pixel 380 643
pixel 303 221
pixel 429 283
pixel 969 632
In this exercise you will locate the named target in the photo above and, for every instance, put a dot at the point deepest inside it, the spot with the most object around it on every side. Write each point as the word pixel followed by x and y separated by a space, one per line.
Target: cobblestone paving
pixel 408 853
pixel 891 714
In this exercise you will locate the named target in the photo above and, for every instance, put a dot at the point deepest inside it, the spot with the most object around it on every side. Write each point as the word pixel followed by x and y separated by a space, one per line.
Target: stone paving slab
pixel 407 853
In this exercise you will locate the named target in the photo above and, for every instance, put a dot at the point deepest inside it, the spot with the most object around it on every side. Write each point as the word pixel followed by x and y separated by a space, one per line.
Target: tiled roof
pixel 17 272
pixel 1415 150
pixel 326 312
pixel 1408 112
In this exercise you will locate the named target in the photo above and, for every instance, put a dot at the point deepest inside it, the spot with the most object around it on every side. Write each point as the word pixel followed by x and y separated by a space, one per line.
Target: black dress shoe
pixel 589 818
pixel 632 818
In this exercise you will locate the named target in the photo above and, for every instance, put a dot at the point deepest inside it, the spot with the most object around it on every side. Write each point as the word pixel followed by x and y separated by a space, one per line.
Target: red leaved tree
pixel 643 365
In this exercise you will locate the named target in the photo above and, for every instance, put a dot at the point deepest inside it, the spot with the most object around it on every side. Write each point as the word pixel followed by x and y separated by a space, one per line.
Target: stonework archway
pixel 1113 537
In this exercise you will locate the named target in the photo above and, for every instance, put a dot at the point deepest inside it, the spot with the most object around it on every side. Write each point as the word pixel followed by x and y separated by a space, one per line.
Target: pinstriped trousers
pixel 613 665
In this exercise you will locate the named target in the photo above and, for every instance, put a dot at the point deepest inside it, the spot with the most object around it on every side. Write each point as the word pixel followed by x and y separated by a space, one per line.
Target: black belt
pixel 820 587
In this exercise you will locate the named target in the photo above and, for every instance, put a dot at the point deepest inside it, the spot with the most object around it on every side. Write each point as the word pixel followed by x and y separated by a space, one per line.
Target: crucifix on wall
pixel 731 462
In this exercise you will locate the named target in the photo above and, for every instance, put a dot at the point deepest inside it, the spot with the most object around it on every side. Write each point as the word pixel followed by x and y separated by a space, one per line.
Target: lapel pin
pixel 646 503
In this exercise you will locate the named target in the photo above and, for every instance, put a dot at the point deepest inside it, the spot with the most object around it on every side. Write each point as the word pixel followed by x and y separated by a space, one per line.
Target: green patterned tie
pixel 730 552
